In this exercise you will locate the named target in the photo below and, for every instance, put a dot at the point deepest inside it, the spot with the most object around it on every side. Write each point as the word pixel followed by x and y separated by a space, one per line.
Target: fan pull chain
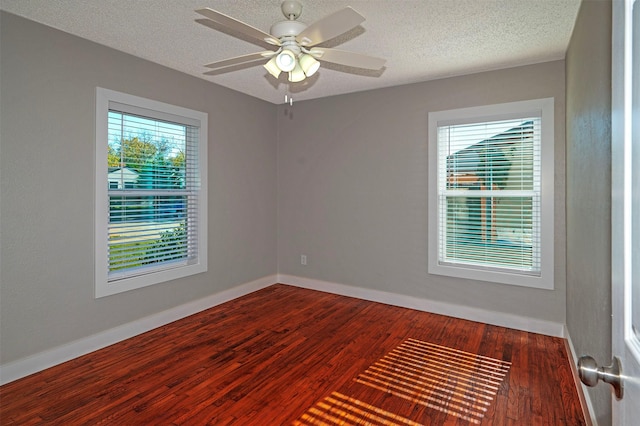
pixel 288 99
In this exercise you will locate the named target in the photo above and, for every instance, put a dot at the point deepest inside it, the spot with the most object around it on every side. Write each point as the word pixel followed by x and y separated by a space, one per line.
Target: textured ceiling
pixel 421 39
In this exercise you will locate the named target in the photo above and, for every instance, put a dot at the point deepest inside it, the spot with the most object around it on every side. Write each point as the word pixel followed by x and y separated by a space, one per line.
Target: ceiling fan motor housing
pixel 287 28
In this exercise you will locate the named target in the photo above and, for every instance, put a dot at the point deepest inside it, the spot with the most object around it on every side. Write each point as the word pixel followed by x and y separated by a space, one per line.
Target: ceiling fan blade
pixel 236 67
pixel 234 24
pixel 350 59
pixel 330 26
pixel 241 59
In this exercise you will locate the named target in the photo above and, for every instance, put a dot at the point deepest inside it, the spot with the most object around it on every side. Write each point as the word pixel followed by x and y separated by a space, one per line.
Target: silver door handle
pixel 590 374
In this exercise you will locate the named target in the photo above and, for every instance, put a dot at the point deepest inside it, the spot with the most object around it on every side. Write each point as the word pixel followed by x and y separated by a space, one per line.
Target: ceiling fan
pixel 297 44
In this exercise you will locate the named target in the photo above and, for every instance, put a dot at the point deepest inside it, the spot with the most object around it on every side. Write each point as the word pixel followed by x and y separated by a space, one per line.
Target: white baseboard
pixel 23 367
pixel 533 325
pixel 584 396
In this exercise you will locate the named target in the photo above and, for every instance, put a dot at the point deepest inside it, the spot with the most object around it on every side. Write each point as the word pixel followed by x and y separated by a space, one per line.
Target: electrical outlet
pixel 303 259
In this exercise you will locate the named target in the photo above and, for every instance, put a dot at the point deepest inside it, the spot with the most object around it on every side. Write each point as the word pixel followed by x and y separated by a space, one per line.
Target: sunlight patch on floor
pixel 458 383
pixel 339 409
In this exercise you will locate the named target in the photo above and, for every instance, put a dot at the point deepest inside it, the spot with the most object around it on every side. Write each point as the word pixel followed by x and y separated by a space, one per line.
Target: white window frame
pixel 540 107
pixel 158 110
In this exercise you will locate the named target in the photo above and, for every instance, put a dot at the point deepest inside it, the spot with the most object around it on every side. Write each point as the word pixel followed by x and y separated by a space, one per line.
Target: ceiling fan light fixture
pixel 309 64
pixel 286 60
pixel 272 67
pixel 297 74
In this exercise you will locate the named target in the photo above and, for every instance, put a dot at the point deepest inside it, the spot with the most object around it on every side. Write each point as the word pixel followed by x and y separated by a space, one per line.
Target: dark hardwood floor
pixel 290 356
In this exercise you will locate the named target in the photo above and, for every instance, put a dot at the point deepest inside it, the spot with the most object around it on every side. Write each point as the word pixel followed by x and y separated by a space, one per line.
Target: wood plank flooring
pixel 290 356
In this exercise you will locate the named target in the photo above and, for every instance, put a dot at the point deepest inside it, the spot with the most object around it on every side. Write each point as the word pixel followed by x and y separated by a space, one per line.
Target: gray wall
pixel 589 191
pixel 352 185
pixel 48 81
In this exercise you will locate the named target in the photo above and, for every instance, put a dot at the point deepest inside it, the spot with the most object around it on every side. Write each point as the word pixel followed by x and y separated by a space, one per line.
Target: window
pixel 491 193
pixel 151 197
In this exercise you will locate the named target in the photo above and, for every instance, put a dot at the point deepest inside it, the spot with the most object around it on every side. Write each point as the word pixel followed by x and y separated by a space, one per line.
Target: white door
pixel 626 206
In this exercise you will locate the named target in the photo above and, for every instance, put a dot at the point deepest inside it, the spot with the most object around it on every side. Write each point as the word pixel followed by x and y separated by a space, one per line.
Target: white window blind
pixel 153 209
pixel 151 198
pixel 489 194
